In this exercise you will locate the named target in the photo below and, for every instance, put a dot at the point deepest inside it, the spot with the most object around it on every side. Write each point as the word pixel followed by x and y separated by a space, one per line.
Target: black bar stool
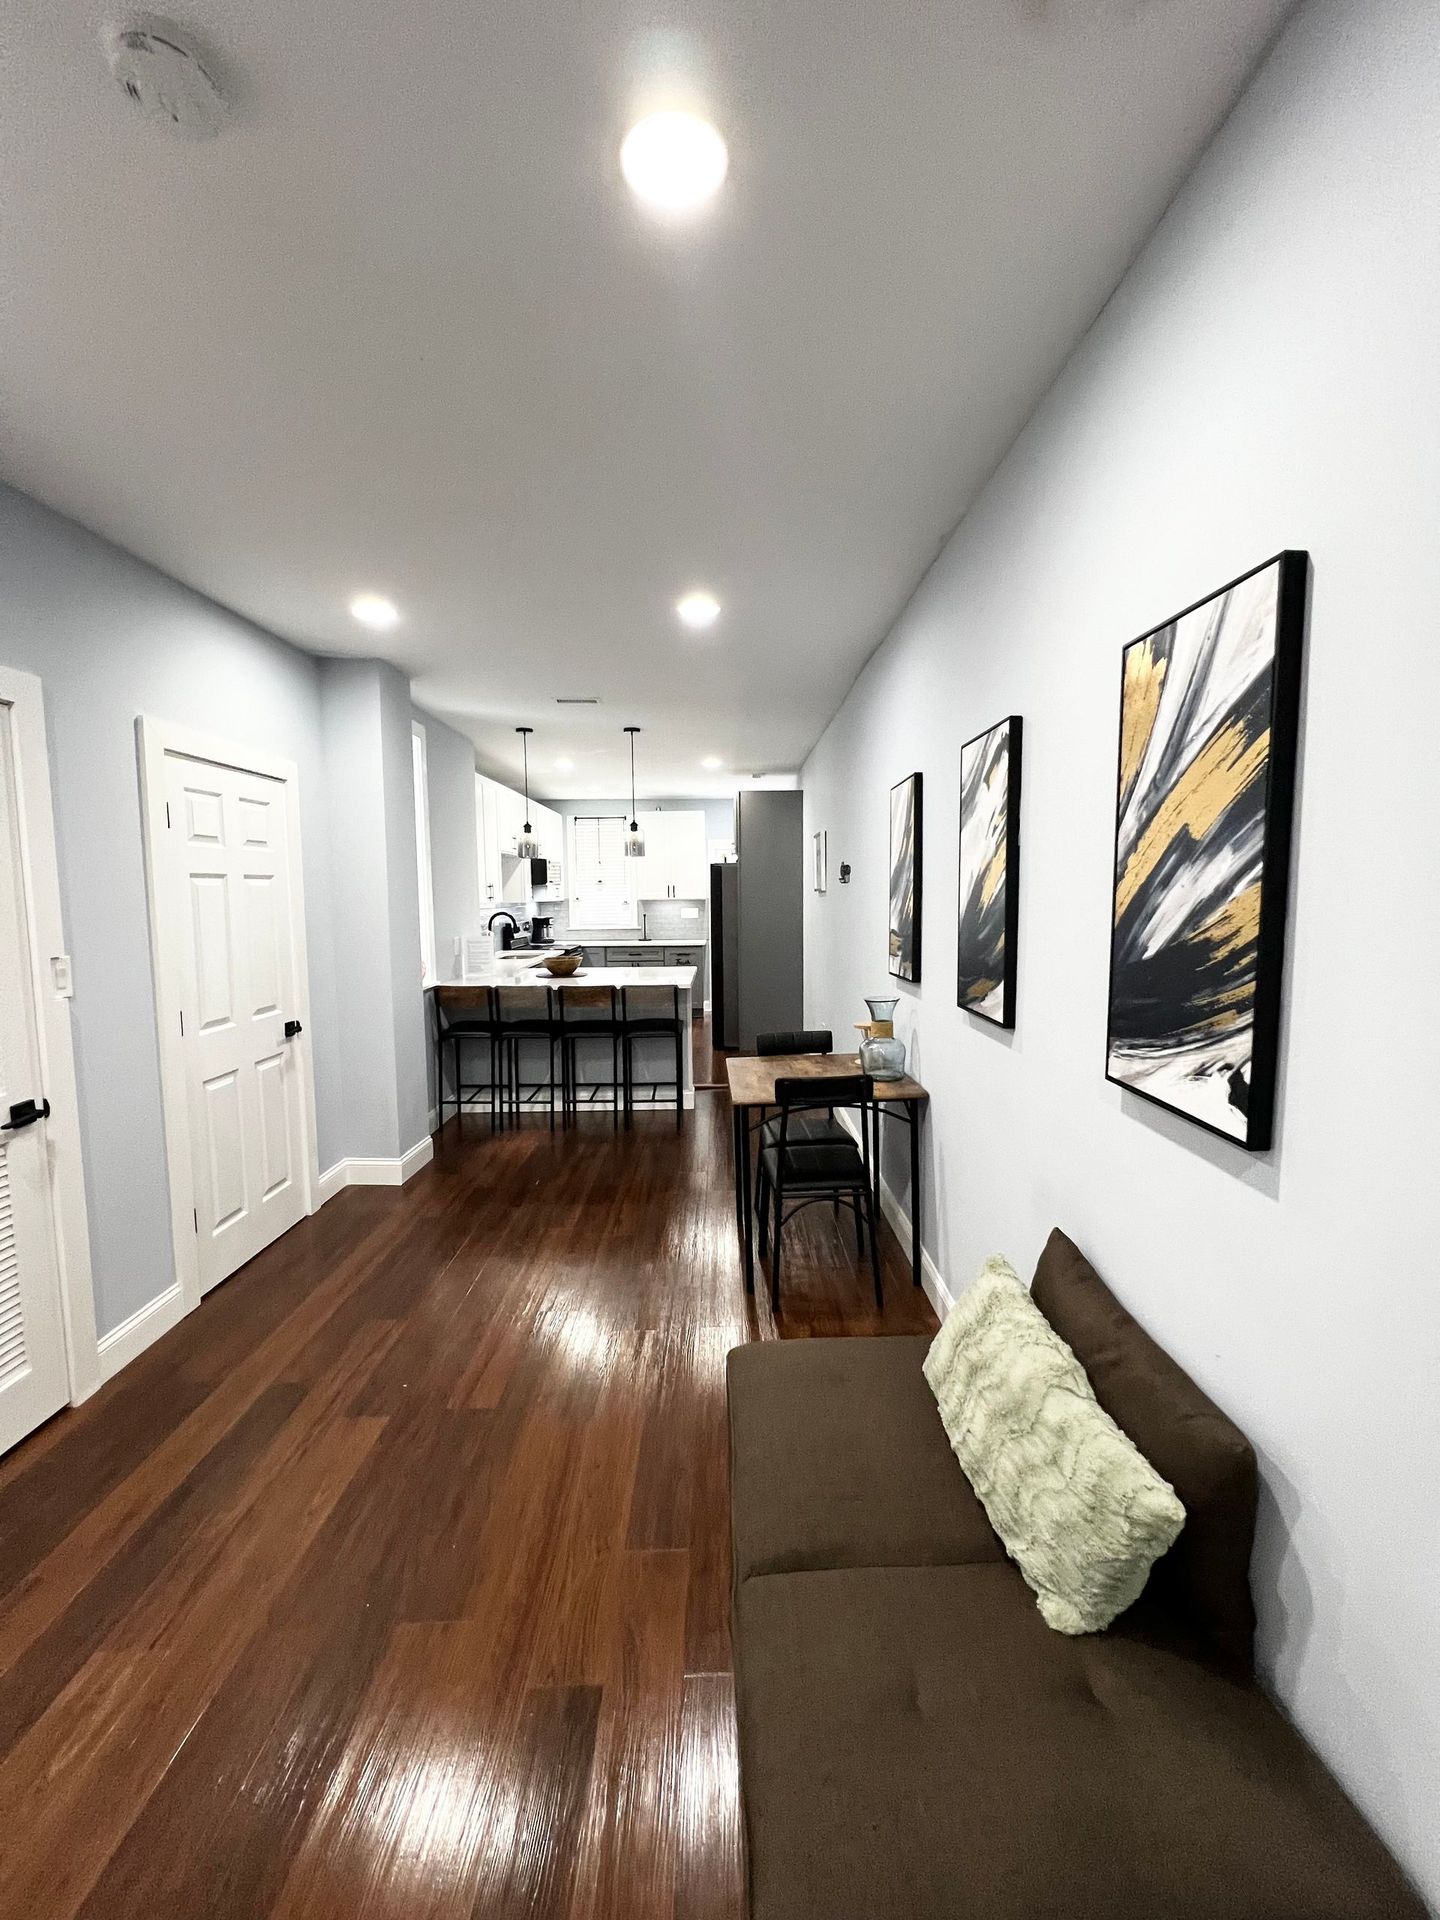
pixel 528 1013
pixel 653 1013
pixel 599 1008
pixel 469 1013
pixel 806 1171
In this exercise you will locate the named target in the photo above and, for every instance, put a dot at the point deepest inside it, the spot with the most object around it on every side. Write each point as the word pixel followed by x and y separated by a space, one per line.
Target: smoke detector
pixel 164 76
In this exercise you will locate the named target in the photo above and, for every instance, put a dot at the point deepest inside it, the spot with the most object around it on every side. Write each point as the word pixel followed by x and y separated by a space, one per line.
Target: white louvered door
pixel 238 971
pixel 33 1379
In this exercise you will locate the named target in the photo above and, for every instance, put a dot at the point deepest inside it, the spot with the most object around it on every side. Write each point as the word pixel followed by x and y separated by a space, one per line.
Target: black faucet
pixel 507 934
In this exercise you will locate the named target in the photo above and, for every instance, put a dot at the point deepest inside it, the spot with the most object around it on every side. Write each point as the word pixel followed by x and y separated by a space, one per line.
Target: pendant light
pixel 634 839
pixel 527 847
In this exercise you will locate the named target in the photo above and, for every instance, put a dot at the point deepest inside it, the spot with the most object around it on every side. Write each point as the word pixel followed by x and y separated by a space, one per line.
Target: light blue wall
pixel 112 639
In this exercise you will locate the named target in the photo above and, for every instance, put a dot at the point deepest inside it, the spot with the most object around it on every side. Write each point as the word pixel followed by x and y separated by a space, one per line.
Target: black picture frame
pixel 906 865
pixel 971 929
pixel 1253 1124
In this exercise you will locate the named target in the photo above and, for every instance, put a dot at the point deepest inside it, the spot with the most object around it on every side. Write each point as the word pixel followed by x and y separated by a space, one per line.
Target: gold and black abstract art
pixel 989 871
pixel 1209 709
pixel 905 876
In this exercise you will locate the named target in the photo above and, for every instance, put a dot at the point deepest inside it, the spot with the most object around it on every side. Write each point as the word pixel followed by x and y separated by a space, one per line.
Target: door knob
pixel 293 1029
pixel 25 1115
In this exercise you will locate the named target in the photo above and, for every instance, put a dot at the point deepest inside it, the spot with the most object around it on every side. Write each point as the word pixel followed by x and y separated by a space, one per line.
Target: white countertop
pixel 523 970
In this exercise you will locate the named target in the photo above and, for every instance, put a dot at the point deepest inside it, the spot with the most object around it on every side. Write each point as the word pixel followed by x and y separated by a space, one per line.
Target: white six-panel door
pixel 34 1380
pixel 229 843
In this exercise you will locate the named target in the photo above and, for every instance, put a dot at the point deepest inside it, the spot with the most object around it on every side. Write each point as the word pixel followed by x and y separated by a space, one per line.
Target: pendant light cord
pixel 524 733
pixel 633 826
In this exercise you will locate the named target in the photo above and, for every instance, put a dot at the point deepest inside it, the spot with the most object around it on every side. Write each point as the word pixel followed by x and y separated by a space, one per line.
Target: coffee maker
pixel 540 935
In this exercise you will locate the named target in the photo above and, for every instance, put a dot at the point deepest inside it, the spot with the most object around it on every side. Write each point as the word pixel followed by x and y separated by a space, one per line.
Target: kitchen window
pixel 599 874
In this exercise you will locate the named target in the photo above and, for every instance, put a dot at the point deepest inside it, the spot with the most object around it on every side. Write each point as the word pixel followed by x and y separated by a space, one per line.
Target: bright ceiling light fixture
pixel 564 765
pixel 374 610
pixel 698 610
pixel 712 763
pixel 673 161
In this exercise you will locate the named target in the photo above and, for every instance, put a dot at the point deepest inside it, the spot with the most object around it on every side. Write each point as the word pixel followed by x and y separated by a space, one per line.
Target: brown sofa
pixel 914 1739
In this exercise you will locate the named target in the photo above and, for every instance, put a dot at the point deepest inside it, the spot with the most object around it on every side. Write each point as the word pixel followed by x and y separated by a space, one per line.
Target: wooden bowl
pixel 561 965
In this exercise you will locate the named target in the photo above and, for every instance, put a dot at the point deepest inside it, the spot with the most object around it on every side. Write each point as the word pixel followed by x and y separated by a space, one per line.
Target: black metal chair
pixel 600 1007
pixel 528 1013
pixel 806 1171
pixel 805 1126
pixel 653 1013
pixel 818 1126
pixel 469 1013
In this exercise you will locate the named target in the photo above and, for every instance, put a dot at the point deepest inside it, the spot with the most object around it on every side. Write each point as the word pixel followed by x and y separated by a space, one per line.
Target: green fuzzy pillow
pixel 1078 1507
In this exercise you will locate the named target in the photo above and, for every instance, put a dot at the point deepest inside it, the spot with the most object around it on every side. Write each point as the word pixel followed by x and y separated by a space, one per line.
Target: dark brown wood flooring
pixel 395 1581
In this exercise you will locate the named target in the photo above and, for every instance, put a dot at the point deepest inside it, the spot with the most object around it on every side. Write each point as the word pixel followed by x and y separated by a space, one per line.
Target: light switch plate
pixel 689 913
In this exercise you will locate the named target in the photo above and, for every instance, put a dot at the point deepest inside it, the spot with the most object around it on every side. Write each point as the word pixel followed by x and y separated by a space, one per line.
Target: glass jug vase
pixel 882 1055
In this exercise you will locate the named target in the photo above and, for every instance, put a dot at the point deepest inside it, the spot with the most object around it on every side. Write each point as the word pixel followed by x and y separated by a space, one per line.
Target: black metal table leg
pixel 875 1156
pixel 742 1180
pixel 914 1120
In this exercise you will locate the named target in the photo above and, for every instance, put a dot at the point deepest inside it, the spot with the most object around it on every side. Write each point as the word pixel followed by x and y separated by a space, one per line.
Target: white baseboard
pixel 373 1173
pixel 330 1183
pixel 420 1155
pixel 931 1278
pixel 130 1339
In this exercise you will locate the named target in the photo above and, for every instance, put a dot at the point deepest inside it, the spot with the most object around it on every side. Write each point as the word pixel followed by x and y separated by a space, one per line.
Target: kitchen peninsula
pixel 510 984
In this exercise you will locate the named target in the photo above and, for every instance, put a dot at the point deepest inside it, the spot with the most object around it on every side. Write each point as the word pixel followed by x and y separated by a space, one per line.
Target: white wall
pixel 111 639
pixel 1268 375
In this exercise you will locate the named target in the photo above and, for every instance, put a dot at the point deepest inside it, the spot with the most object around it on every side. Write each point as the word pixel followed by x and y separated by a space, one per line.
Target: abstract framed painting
pixel 905 870
pixel 1205 792
pixel 990 871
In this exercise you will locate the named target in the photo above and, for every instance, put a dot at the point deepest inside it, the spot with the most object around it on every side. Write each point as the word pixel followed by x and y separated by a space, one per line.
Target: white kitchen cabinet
pixel 487 829
pixel 676 863
pixel 689 857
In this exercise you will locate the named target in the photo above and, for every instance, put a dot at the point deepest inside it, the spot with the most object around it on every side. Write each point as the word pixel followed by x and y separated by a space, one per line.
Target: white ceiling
pixel 401 326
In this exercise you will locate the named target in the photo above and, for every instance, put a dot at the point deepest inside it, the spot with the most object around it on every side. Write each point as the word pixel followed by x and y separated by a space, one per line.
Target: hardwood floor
pixel 709 1060
pixel 395 1581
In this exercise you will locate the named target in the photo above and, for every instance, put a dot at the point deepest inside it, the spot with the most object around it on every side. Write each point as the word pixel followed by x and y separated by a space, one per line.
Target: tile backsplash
pixel 680 921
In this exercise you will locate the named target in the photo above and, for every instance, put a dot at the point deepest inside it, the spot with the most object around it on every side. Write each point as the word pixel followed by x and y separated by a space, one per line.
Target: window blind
pixel 600 878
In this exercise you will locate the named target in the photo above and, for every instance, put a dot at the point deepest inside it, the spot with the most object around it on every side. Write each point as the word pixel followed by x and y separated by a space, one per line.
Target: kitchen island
pixel 653 1055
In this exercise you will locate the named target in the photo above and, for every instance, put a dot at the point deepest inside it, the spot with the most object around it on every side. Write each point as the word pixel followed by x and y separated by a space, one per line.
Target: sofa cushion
pixel 1080 1509
pixel 915 1741
pixel 1205 1577
pixel 838 1459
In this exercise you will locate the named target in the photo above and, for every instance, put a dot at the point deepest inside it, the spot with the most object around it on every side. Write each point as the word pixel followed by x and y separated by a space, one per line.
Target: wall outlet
pixel 689 913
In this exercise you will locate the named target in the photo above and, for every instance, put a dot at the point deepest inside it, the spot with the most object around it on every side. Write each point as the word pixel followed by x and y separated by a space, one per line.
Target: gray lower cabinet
pixel 628 956
pixel 690 957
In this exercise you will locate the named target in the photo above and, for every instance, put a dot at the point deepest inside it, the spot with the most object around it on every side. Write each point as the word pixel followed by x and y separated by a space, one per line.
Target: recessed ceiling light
pixel 712 763
pixel 698 610
pixel 674 162
pixel 564 766
pixel 374 610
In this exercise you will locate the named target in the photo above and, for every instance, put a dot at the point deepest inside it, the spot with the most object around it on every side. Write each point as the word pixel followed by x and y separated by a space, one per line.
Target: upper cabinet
pixel 676 865
pixel 499 820
pixel 487 831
